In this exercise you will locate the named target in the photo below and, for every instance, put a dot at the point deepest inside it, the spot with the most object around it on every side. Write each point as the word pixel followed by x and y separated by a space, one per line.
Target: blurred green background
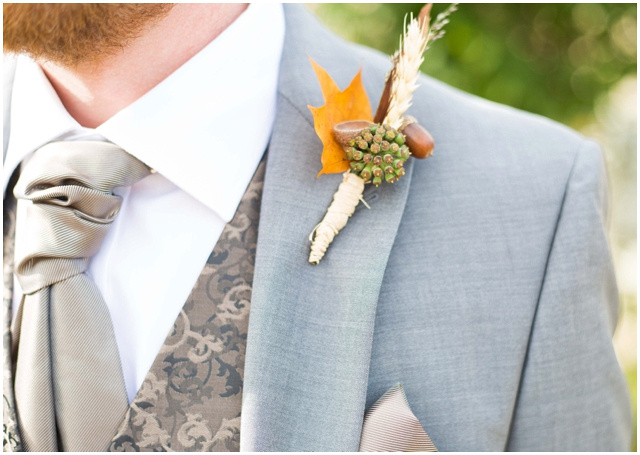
pixel 574 63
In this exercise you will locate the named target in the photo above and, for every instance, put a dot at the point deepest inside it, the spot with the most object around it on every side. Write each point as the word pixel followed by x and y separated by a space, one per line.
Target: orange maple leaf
pixel 339 106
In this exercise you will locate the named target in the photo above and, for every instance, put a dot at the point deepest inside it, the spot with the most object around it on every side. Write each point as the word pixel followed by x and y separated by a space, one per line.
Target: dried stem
pixel 418 37
pixel 385 99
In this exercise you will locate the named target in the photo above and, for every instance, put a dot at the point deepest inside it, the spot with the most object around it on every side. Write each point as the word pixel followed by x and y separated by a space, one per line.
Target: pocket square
pixel 390 426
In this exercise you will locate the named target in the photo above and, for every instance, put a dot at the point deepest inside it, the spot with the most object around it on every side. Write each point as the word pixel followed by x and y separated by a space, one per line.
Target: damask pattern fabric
pixel 11 439
pixel 192 396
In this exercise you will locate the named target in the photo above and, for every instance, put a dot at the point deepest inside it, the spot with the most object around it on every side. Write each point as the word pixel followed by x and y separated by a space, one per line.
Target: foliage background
pixel 574 63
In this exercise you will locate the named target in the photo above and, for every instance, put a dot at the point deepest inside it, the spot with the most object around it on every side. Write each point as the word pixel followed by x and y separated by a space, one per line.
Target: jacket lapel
pixel 311 327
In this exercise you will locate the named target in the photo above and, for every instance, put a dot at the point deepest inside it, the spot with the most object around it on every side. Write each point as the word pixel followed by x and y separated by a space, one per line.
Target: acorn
pixel 419 140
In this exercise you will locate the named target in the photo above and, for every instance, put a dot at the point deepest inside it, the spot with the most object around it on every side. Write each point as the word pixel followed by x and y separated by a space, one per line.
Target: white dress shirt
pixel 203 130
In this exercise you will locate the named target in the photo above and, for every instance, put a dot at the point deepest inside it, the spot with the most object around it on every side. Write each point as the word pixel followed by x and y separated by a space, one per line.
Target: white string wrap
pixel 344 204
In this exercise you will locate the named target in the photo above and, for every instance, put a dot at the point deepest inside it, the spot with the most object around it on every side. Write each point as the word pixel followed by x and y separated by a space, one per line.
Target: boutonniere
pixel 366 148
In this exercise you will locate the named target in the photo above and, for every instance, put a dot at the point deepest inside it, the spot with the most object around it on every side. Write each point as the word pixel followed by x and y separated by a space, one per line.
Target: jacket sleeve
pixel 572 394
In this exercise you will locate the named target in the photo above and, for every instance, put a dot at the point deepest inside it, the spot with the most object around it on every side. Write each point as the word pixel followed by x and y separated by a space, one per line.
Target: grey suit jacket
pixel 481 281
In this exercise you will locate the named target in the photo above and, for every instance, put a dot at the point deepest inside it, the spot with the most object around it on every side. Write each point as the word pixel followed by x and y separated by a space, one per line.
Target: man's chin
pixel 76 33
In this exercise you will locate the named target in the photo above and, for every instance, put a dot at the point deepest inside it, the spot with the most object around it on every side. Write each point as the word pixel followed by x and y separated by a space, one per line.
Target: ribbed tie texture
pixel 69 387
pixel 390 426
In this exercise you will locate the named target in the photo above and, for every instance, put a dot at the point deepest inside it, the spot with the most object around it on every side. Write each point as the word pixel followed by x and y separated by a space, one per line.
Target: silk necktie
pixel 69 387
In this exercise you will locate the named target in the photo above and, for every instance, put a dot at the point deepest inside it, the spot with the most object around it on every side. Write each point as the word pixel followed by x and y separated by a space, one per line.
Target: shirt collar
pixel 205 127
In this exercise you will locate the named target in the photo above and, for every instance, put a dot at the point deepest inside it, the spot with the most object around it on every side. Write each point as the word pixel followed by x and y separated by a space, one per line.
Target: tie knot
pixel 67 190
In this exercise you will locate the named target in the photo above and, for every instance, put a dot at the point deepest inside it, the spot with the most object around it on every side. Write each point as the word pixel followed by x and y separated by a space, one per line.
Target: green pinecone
pixel 378 153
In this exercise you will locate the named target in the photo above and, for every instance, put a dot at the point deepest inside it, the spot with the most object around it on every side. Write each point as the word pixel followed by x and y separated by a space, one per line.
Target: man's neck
pixel 92 93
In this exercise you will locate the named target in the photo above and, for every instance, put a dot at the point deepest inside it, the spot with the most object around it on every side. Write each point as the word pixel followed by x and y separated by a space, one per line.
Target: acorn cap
pixel 345 131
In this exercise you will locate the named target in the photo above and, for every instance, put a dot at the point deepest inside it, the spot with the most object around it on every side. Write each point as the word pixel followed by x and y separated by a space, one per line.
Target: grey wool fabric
pixel 481 281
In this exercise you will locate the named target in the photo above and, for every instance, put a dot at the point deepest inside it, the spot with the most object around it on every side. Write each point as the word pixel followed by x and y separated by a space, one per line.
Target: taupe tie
pixel 69 386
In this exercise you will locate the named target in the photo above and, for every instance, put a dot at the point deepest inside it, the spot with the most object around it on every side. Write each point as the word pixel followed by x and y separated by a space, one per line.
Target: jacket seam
pixel 542 283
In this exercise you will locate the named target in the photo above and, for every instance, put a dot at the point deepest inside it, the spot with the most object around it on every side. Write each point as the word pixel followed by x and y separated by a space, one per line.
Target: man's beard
pixel 71 34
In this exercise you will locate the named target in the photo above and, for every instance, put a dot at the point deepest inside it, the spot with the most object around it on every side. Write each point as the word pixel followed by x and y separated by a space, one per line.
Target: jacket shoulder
pixel 465 127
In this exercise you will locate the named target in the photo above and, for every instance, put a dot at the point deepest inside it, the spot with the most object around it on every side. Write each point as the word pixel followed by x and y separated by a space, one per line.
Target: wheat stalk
pixel 418 37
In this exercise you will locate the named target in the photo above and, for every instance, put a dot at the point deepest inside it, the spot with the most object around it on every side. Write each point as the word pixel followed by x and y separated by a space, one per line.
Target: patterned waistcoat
pixel 191 398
